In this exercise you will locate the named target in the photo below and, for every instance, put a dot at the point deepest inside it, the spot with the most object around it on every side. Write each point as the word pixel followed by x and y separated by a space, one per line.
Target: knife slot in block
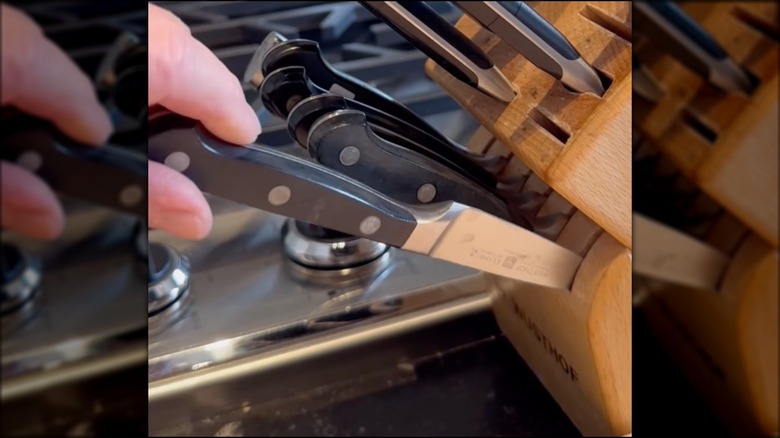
pixel 480 141
pixel 606 21
pixel 556 204
pixel 766 28
pixel 699 126
pixel 550 126
pixel 727 233
pixel 579 234
pixel 515 170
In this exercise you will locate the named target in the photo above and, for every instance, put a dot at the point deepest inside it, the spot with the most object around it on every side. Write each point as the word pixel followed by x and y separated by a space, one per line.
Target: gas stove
pixel 72 308
pixel 263 293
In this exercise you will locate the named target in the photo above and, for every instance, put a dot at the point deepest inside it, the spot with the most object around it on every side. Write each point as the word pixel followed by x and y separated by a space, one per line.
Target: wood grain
pixel 726 143
pixel 726 341
pixel 578 144
pixel 579 342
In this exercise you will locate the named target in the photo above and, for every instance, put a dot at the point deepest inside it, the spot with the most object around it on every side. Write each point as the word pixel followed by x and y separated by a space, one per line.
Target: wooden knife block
pixel 578 144
pixel 726 342
pixel 578 342
pixel 725 143
pixel 576 150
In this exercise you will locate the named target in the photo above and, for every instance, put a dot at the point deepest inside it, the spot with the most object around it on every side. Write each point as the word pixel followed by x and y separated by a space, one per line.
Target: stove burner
pixel 318 253
pixel 320 248
pixel 141 241
pixel 21 278
pixel 169 279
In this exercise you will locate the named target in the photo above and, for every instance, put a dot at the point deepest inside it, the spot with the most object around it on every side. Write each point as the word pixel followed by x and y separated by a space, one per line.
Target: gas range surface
pixel 259 284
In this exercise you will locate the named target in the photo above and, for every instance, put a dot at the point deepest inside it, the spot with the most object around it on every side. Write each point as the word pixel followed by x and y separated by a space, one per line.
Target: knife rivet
pixel 426 193
pixel 131 195
pixel 279 195
pixel 178 161
pixel 30 160
pixel 349 155
pixel 370 225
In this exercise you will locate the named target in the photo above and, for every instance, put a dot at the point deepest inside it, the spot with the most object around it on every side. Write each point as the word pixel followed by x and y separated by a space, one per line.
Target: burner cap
pixel 169 275
pixel 20 276
pixel 319 248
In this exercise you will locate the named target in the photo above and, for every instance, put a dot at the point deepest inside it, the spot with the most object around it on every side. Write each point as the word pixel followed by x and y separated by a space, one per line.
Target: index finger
pixel 187 78
pixel 38 78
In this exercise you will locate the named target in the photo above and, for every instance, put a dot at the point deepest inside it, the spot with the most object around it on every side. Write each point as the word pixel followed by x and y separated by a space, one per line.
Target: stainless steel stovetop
pixel 264 295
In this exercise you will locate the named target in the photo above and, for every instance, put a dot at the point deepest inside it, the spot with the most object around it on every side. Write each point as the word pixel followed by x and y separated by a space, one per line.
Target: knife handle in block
pixel 578 144
pixel 726 341
pixel 578 342
pixel 724 142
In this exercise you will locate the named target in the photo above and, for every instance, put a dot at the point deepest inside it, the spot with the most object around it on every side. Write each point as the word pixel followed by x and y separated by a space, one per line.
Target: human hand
pixel 186 78
pixel 39 79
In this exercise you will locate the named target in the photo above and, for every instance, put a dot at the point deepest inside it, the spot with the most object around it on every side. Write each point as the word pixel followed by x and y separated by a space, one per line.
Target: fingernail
pixel 36 225
pixel 92 130
pixel 249 125
pixel 182 224
pixel 102 127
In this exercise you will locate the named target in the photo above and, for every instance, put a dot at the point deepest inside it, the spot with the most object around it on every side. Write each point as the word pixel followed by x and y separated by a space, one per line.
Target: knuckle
pixel 167 53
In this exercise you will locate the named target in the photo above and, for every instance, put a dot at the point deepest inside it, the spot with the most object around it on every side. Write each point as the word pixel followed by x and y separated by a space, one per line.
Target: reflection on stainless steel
pixel 329 250
pixel 84 312
pixel 254 71
pixel 246 300
pixel 21 286
pixel 170 280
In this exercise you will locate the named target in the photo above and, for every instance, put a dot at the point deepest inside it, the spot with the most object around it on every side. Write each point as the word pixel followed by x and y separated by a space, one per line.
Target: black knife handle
pixel 285 88
pixel 279 183
pixel 306 54
pixel 690 28
pixel 108 176
pixel 343 141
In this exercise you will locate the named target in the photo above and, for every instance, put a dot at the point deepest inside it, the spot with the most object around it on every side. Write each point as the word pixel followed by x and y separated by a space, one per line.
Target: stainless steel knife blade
pixel 536 39
pixel 470 237
pixel 443 43
pixel 690 44
pixel 644 84
pixel 666 254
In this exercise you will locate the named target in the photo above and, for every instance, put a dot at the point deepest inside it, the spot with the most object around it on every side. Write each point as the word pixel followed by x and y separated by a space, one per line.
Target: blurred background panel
pixel 74 336
pixel 705 179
